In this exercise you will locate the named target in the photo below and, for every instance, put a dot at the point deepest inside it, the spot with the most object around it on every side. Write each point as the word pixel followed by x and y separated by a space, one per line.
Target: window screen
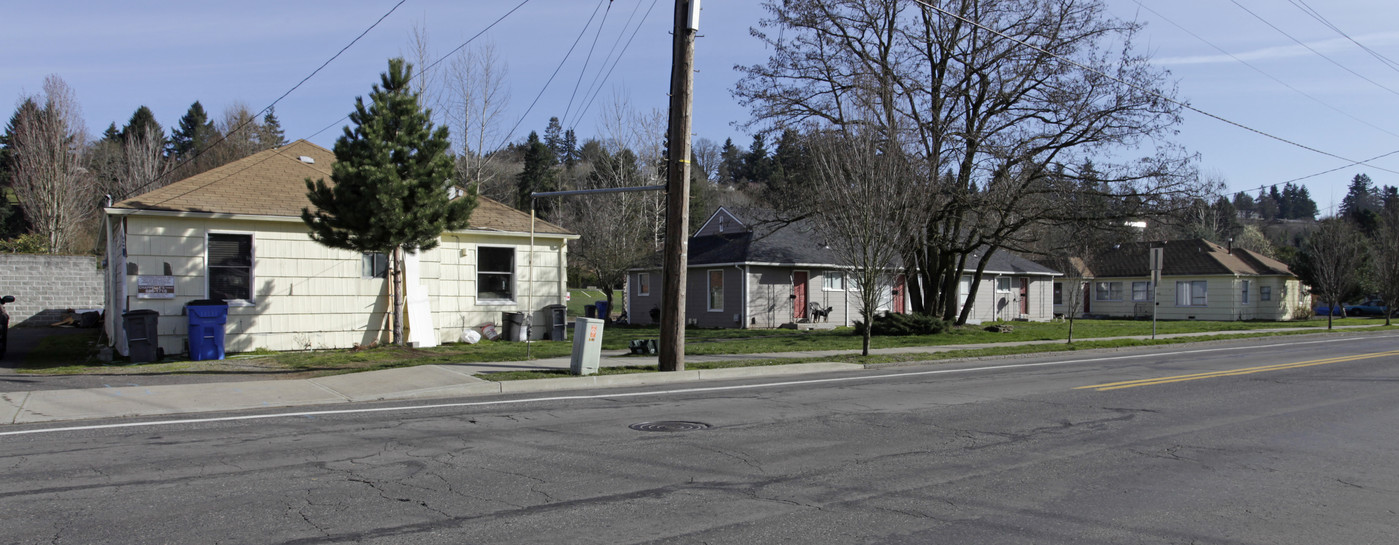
pixel 230 266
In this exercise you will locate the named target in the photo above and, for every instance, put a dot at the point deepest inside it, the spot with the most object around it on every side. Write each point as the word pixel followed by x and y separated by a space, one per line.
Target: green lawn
pixel 67 356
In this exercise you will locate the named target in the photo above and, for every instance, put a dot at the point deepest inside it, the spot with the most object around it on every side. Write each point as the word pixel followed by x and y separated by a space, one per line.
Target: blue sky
pixel 120 55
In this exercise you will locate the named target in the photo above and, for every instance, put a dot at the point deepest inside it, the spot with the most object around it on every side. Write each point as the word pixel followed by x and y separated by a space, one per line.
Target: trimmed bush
pixel 899 325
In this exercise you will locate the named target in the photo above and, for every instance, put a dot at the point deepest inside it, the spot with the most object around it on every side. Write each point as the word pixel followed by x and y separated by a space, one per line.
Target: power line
pixel 269 107
pixel 1268 75
pixel 551 78
pixel 436 62
pixel 598 89
pixel 586 60
pixel 1139 88
pixel 338 121
pixel 1313 50
pixel 1309 10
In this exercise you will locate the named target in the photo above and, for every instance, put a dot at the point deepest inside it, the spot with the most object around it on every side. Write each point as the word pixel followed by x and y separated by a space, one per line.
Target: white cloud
pixel 1287 51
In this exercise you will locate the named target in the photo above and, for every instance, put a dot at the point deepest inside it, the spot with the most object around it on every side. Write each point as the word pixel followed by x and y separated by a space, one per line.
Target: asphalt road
pixel 1287 441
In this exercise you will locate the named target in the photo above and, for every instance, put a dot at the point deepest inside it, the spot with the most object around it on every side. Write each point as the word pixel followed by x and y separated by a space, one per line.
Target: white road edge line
pixel 639 394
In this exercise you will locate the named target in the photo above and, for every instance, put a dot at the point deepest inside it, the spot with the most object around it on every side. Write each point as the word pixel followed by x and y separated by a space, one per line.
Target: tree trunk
pixel 396 268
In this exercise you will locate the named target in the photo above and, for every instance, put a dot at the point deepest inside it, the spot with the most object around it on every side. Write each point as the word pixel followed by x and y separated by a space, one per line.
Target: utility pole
pixel 682 82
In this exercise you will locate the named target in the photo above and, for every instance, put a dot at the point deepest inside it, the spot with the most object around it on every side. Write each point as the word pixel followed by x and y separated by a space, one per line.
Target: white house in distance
pixel 235 233
pixel 746 271
pixel 1200 280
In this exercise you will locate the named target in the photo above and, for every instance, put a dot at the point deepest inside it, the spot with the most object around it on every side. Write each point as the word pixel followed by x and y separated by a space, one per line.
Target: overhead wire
pixel 1309 10
pixel 1143 89
pixel 586 60
pixel 1313 50
pixel 269 107
pixel 597 90
pixel 568 54
pixel 343 118
pixel 1265 73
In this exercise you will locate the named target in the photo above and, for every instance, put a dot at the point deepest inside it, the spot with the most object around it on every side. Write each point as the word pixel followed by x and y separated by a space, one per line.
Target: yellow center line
pixel 1233 372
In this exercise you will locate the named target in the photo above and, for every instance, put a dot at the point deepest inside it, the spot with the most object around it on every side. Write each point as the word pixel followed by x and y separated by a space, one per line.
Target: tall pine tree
pixel 392 179
pixel 194 133
pixel 538 173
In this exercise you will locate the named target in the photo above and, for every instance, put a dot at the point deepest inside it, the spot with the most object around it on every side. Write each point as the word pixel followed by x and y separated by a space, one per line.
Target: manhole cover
pixel 670 425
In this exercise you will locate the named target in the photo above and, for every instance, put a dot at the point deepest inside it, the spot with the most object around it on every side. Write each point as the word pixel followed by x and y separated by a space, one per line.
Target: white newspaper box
pixel 587 346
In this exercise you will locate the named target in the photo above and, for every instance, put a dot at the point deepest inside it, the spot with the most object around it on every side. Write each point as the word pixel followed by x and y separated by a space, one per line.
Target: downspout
pixel 743 296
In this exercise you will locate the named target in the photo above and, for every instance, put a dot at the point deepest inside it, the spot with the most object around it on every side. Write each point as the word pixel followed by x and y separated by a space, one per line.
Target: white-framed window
pixel 1002 284
pixel 229 267
pixel 1265 293
pixel 1141 291
pixel 643 284
pixel 1058 293
pixel 835 281
pixel 1107 291
pixel 716 290
pixel 495 274
pixel 1243 295
pixel 374 265
pixel 1192 294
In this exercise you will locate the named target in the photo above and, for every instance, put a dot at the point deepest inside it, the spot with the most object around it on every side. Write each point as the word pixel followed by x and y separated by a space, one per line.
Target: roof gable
pixel 273 183
pixel 1192 257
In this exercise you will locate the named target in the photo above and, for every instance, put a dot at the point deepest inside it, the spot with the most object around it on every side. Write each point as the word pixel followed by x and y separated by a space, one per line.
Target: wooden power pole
pixel 682 82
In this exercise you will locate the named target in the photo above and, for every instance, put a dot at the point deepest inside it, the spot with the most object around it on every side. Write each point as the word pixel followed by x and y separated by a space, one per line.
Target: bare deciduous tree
pixel 859 202
pixel 475 97
pixel 1385 261
pixel 143 159
pixel 1332 261
pixel 982 94
pixel 48 148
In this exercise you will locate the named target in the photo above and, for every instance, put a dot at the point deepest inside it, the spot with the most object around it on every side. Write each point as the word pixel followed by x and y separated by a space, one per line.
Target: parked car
pixel 1326 308
pixel 5 324
pixel 1371 306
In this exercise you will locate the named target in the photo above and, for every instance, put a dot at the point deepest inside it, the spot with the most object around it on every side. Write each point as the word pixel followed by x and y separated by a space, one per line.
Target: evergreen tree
pixel 553 139
pixel 569 153
pixel 757 165
pixel 269 133
pixel 392 179
pixel 1361 205
pixel 538 173
pixel 194 133
pixel 12 220
pixel 1267 204
pixel 143 122
pixel 1299 202
pixel 111 134
pixel 1244 204
pixel 730 162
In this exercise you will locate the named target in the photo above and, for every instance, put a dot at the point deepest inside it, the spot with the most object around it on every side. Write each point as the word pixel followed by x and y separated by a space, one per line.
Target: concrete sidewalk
pixel 420 382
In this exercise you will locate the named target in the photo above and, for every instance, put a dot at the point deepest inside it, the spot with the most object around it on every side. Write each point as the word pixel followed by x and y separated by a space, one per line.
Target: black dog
pixel 821 314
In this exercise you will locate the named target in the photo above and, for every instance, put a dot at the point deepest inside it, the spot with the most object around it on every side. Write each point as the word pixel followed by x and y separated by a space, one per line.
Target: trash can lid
pixel 207 303
pixel 140 312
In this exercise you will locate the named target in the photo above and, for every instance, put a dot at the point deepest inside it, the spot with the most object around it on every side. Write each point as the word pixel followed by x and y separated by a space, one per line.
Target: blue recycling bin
pixel 603 311
pixel 206 320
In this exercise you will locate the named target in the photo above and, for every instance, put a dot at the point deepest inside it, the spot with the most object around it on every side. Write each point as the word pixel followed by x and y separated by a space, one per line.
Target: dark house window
pixel 230 266
pixel 374 265
pixel 495 268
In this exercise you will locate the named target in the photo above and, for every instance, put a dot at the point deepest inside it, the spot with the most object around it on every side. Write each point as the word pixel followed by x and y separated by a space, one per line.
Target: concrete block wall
pixel 45 286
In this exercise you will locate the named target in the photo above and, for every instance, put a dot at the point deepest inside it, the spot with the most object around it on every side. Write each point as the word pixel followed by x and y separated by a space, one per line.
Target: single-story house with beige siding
pixel 1200 280
pixel 235 233
pixel 747 271
pixel 1012 288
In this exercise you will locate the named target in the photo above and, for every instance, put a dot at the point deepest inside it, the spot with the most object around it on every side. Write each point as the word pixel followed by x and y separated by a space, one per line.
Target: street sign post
pixel 1155 261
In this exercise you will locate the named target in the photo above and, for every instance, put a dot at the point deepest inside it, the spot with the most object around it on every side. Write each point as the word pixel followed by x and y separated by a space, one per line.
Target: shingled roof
pixel 1185 258
pixel 798 243
pixel 272 183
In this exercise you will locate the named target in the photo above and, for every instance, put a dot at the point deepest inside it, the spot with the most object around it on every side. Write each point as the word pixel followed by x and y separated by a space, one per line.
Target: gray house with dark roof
pixel 747 271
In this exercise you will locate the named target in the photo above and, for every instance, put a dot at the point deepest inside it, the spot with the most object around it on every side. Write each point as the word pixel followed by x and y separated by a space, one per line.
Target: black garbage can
pixel 206 320
pixel 142 335
pixel 558 322
pixel 515 326
pixel 590 311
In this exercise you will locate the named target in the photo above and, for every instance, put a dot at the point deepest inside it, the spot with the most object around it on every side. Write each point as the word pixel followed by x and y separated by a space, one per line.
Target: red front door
pixel 799 291
pixel 898 294
pixel 1024 295
pixel 1086 297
